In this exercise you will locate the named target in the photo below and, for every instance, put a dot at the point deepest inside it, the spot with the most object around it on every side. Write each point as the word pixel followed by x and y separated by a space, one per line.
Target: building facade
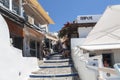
pixel 25 19
pixel 79 28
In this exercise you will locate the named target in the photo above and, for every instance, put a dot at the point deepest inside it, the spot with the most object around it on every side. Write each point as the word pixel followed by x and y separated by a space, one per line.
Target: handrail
pixel 96 57
pixel 108 70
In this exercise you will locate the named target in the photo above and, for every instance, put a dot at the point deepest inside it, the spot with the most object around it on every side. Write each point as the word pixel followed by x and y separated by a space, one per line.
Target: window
pixel 33 48
pixel 15 8
pixel 5 3
pixel 107 59
pixel 17 42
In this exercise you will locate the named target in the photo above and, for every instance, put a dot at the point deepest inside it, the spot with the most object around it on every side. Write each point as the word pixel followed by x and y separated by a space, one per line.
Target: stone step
pixel 71 65
pixel 43 71
pixel 53 78
pixel 55 67
pixel 54 58
pixel 57 56
pixel 54 64
pixel 57 61
pixel 52 75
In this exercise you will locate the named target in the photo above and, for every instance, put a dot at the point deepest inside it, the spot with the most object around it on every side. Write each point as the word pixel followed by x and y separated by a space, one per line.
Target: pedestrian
pixel 106 64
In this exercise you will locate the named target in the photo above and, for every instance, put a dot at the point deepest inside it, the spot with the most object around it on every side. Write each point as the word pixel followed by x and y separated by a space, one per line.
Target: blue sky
pixel 63 11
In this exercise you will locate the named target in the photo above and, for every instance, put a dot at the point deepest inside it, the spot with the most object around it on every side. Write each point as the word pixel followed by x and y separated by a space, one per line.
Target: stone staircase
pixel 55 68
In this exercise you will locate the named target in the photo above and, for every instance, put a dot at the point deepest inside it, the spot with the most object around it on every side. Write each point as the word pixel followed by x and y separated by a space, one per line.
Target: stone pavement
pixel 55 68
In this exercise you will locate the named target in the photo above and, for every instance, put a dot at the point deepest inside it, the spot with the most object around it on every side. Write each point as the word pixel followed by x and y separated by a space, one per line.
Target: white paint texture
pixel 85 64
pixel 84 31
pixel 88 67
pixel 80 62
pixel 12 65
pixel 77 42
pixel 106 33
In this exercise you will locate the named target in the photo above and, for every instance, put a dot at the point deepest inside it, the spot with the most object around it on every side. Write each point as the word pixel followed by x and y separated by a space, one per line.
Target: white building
pixel 85 25
pixel 104 38
pixel 104 41
pixel 86 19
pixel 25 35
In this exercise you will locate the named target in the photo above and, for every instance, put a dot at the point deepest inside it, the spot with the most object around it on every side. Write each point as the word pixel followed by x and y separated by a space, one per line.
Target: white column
pixel 47 28
pixel 25 47
pixel 10 5
pixel 20 8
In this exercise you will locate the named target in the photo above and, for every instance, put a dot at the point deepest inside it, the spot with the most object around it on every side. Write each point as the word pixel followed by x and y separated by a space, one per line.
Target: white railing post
pixel 10 5
pixel 100 66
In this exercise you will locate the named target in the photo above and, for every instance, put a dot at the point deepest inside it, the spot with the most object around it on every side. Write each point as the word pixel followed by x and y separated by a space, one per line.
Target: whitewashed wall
pixel 80 60
pixel 84 31
pixel 76 42
pixel 26 64
pixel 80 63
pixel 116 55
pixel 83 64
pixel 12 65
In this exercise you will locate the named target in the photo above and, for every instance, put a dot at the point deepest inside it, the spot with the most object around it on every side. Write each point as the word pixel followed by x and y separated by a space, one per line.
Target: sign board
pixel 87 18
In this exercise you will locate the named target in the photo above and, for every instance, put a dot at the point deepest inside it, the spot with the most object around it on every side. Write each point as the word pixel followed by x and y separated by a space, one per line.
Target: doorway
pixel 107 59
pixel 38 50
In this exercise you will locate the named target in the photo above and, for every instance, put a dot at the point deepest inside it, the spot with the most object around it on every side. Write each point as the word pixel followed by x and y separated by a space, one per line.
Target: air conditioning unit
pixel 31 20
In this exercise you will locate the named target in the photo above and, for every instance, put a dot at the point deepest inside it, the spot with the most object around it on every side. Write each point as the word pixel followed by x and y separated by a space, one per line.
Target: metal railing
pixel 5 3
pixel 15 7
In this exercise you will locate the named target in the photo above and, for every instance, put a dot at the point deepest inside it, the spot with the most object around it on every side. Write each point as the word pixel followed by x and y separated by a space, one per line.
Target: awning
pixel 101 47
pixel 33 34
pixel 37 8
pixel 51 37
pixel 106 33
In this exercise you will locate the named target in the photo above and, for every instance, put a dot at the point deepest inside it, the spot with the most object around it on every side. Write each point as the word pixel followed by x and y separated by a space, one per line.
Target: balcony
pixel 12 5
pixel 15 8
pixel 39 28
pixel 4 3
